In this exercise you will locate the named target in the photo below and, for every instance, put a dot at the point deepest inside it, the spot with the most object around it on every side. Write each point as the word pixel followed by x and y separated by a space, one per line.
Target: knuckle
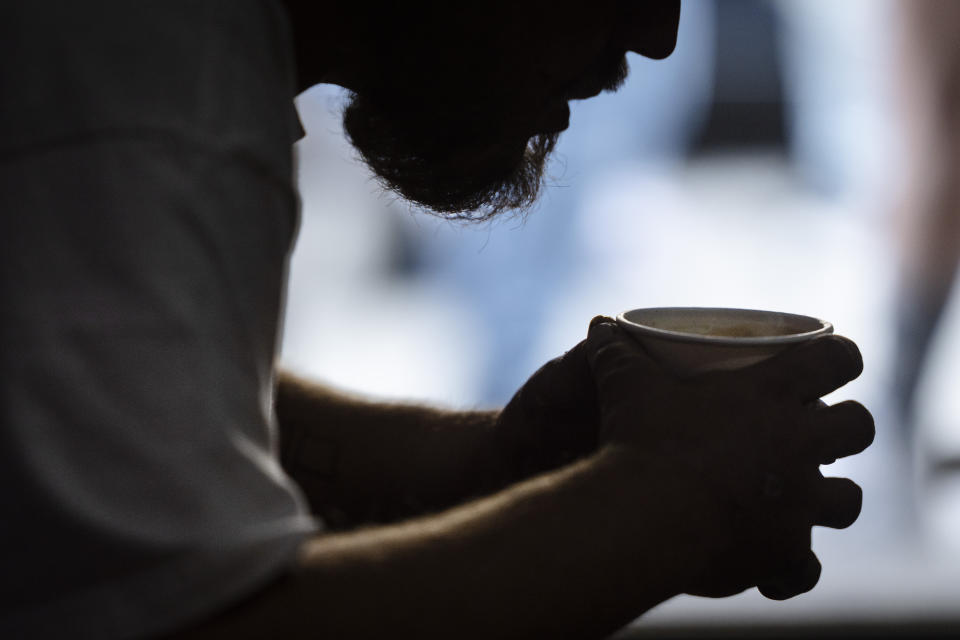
pixel 830 360
pixel 612 356
pixel 801 576
pixel 861 422
pixel 600 320
pixel 856 411
pixel 843 486
pixel 855 417
pixel 847 351
pixel 843 502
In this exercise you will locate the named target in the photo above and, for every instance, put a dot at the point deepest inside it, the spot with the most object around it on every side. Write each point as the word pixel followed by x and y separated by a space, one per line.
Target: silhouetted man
pixel 148 212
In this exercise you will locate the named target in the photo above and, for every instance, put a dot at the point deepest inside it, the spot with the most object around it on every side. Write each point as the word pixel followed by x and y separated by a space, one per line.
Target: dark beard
pixel 470 167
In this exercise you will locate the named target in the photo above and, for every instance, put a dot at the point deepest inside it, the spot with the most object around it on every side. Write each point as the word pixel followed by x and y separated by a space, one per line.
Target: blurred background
pixel 794 155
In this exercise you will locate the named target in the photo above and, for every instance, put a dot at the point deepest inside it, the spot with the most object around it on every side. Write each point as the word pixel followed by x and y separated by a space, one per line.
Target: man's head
pixel 456 105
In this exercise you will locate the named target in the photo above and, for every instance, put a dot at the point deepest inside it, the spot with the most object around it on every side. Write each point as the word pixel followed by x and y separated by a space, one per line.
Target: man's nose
pixel 648 27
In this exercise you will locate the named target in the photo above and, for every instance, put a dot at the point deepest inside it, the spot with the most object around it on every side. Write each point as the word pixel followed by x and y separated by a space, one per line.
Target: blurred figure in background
pixel 929 211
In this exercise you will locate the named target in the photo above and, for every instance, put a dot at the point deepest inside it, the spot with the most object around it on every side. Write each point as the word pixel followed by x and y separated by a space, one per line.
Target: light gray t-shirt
pixel 146 216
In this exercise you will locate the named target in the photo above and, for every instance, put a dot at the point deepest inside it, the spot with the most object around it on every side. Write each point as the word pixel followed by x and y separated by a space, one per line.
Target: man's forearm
pixel 576 553
pixel 362 462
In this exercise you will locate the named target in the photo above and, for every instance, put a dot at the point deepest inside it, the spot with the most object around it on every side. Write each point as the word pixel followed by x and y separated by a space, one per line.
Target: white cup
pixel 693 340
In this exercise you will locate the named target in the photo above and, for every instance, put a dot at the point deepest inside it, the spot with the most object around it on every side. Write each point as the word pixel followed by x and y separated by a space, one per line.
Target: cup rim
pixel 824 328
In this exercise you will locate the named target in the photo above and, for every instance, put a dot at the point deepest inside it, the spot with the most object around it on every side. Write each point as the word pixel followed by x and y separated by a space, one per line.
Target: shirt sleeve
pixel 142 268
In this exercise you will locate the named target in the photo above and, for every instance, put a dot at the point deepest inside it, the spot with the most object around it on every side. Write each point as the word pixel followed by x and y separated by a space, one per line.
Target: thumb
pixel 601 320
pixel 618 362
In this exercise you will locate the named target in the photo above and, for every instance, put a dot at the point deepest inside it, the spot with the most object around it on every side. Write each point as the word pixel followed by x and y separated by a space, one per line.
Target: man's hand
pixel 554 418
pixel 707 486
pixel 737 455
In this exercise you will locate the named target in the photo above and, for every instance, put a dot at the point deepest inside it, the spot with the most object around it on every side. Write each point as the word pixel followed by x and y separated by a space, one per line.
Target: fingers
pixel 842 430
pixel 601 320
pixel 837 503
pixel 605 332
pixel 610 352
pixel 568 377
pixel 812 369
pixel 838 431
pixel 800 577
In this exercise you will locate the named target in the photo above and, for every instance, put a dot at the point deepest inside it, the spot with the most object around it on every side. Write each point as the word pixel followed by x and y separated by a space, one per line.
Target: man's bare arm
pixel 362 462
pixel 679 499
pixel 572 554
